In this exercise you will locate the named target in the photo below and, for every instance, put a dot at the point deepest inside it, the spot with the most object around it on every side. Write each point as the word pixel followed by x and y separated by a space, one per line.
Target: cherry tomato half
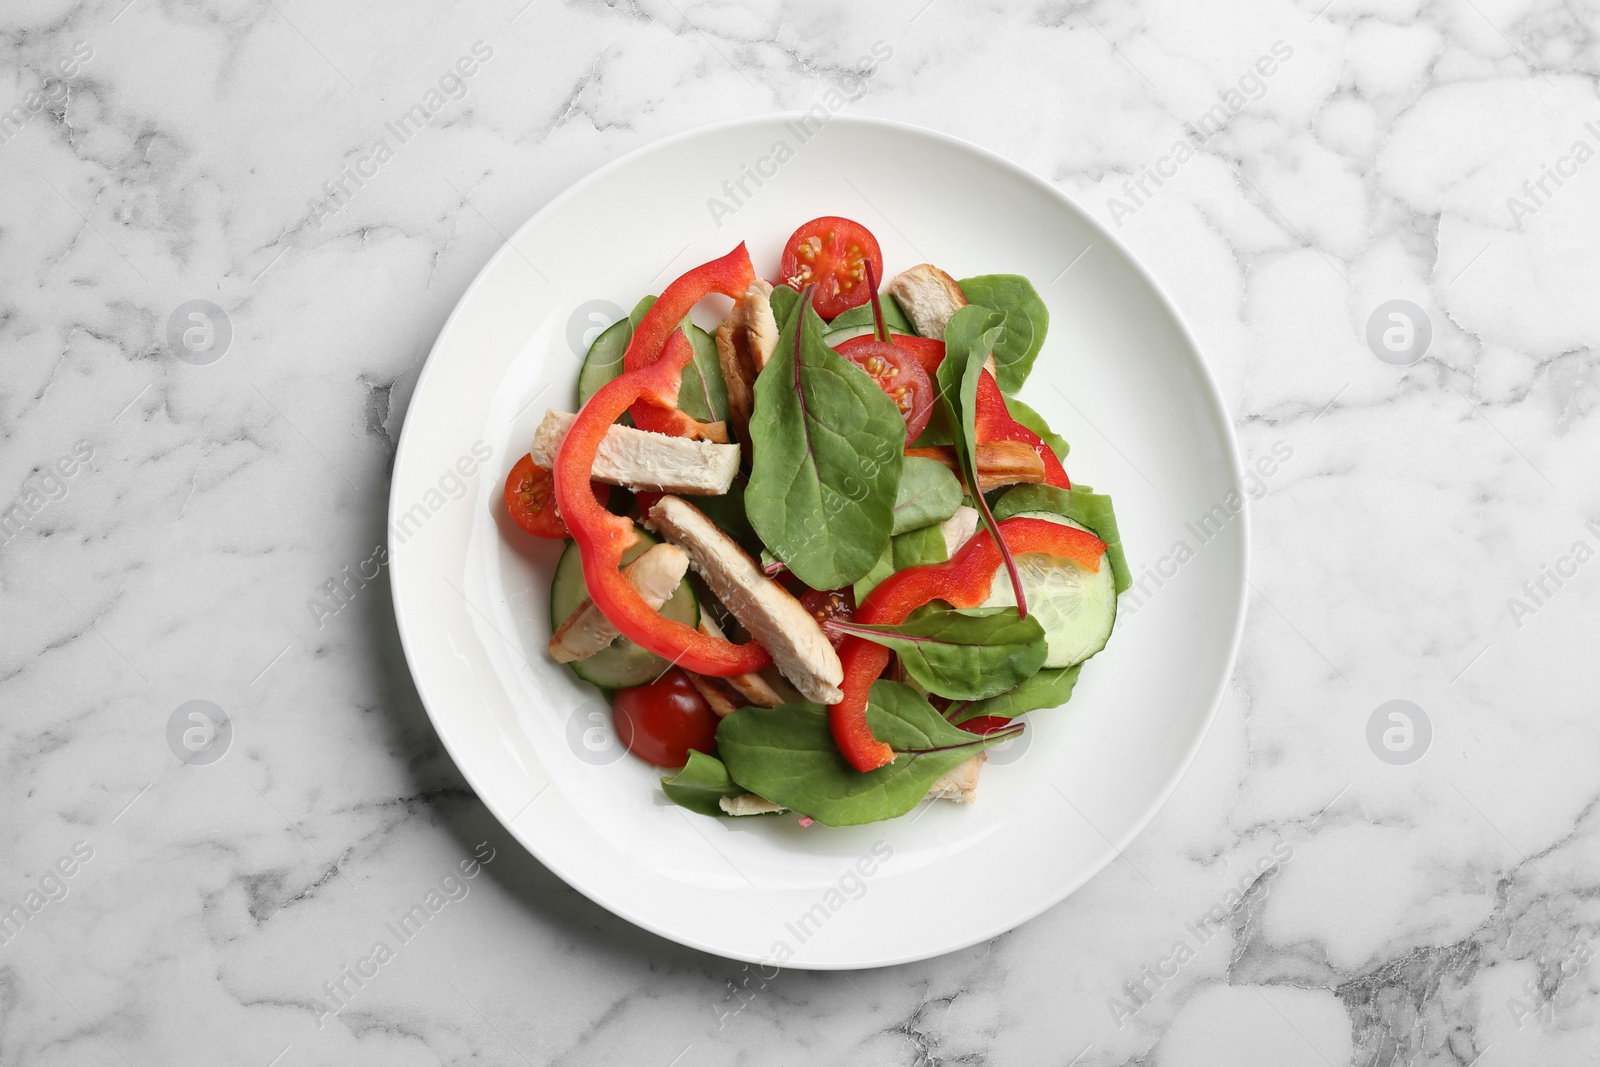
pixel 826 605
pixel 660 722
pixel 531 499
pixel 831 253
pixel 899 373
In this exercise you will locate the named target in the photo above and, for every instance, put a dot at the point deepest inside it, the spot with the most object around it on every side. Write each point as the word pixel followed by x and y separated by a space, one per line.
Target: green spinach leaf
pixel 1035 422
pixel 702 782
pixel 1050 688
pixel 964 655
pixel 828 447
pixel 928 494
pixel 1027 319
pixel 969 337
pixel 704 394
pixel 785 302
pixel 880 570
pixel 787 754
pixel 916 547
pixel 858 321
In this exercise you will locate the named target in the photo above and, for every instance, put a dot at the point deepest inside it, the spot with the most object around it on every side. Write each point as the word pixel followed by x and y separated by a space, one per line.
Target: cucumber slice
pixel 1076 607
pixel 624 663
pixel 604 361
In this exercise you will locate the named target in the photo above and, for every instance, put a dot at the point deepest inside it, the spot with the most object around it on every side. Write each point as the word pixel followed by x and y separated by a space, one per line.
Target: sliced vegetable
pixel 1083 507
pixel 963 655
pixel 992 421
pixel 530 498
pixel 662 721
pixel 964 582
pixel 787 755
pixel 831 253
pixel 701 784
pixel 730 275
pixel 604 360
pixel 828 606
pixel 602 537
pixel 899 374
pixel 1026 321
pixel 623 663
pixel 828 451
pixel 1076 606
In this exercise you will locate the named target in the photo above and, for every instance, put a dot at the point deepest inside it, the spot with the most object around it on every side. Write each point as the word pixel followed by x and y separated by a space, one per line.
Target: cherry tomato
pixel 831 253
pixel 531 499
pixel 660 722
pixel 929 352
pixel 825 605
pixel 899 373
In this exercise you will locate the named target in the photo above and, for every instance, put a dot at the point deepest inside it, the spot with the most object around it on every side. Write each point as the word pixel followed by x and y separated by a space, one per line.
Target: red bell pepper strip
pixel 964 581
pixel 730 275
pixel 602 537
pixel 993 422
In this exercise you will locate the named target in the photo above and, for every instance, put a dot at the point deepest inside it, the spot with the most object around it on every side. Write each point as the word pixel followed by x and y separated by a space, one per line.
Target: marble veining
pixel 1285 169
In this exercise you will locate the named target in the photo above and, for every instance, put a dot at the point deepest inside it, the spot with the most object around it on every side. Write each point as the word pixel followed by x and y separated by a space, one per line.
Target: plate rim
pixel 1211 392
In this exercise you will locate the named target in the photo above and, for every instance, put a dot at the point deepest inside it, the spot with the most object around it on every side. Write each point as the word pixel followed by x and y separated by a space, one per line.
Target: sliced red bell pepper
pixel 602 537
pixel 730 275
pixel 964 581
pixel 993 422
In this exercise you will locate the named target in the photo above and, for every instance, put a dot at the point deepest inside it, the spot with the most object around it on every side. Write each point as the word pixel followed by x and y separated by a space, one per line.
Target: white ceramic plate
pixel 1119 377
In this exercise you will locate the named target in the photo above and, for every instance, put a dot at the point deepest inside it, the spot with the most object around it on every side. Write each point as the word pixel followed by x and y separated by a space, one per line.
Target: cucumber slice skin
pixel 1075 638
pixel 624 664
pixel 604 359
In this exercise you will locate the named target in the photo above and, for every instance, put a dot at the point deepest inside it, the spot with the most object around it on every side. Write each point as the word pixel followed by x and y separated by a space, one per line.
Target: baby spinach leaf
pixel 969 337
pixel 928 494
pixel 1080 504
pixel 858 322
pixel 784 301
pixel 1035 422
pixel 604 360
pixel 1027 319
pixel 787 754
pixel 964 655
pixel 704 394
pixel 880 570
pixel 702 782
pixel 828 446
pixel 916 547
pixel 1050 688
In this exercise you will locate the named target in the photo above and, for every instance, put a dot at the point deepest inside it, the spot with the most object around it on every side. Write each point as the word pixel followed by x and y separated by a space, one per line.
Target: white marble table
pixel 1422 536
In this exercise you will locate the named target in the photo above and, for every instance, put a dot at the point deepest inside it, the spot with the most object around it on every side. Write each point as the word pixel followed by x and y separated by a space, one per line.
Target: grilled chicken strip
pixel 655 574
pixel 765 608
pixel 639 459
pixel 745 341
pixel 929 297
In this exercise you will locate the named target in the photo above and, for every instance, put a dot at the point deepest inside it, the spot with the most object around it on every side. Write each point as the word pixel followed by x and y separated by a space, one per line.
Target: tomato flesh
pixel 899 373
pixel 829 605
pixel 832 253
pixel 531 499
pixel 660 722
